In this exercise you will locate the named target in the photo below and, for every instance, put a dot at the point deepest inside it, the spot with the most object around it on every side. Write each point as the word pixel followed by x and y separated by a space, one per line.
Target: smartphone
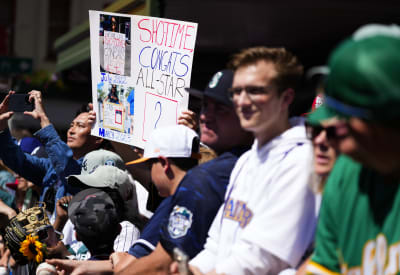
pixel 182 259
pixel 20 103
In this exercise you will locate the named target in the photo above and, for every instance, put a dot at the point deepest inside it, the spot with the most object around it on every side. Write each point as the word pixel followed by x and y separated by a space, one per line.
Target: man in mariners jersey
pixel 358 231
pixel 268 218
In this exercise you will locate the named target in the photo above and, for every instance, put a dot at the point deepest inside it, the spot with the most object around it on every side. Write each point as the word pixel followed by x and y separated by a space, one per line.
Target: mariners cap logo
pixel 214 81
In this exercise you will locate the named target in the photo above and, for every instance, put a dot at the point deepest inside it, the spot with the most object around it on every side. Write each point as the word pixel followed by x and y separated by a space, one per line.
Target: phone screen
pixel 20 103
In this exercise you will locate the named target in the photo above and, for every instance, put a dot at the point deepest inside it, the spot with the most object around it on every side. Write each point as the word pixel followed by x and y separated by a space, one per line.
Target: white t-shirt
pixel 268 218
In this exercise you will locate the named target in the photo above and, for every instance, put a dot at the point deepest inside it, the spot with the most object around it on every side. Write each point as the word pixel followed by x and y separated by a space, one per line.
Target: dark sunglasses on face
pixel 313 131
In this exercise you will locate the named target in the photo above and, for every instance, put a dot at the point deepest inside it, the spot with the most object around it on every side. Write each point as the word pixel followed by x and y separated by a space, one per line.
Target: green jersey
pixel 359 225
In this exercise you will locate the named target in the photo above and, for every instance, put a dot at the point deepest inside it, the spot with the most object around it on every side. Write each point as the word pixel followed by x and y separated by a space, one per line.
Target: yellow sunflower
pixel 32 248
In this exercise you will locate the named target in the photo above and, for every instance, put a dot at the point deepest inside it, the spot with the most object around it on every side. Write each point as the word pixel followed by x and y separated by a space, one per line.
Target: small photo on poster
pixel 115 44
pixel 116 107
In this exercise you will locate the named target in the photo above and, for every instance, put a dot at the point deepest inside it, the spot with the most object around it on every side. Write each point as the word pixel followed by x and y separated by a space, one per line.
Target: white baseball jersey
pixel 268 218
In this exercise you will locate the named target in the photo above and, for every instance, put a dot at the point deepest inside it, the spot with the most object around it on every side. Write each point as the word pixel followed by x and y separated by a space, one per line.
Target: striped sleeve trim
pixel 316 269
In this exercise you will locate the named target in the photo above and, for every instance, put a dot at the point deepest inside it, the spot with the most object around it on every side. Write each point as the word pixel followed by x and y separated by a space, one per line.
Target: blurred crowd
pixel 247 185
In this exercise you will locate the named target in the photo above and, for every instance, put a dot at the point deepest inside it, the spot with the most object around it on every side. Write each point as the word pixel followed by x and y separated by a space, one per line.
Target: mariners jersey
pixel 268 209
pixel 359 227
pixel 195 204
pixel 196 201
pixel 150 234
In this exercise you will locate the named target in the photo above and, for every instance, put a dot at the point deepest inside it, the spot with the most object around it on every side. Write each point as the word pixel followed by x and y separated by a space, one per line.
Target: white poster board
pixel 141 66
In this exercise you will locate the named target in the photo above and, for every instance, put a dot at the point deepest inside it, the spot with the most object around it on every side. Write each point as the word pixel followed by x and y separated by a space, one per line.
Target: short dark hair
pixel 84 108
pixel 287 65
pixel 184 164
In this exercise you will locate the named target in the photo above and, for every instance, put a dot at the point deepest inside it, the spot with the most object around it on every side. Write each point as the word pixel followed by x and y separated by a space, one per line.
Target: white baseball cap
pixel 98 158
pixel 175 141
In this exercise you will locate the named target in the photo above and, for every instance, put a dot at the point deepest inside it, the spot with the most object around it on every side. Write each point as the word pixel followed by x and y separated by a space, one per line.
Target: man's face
pixel 369 143
pixel 78 135
pixel 159 178
pixel 261 113
pixel 324 153
pixel 219 126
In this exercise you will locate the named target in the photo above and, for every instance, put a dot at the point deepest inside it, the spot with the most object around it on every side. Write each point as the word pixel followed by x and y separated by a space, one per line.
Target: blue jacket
pixel 44 172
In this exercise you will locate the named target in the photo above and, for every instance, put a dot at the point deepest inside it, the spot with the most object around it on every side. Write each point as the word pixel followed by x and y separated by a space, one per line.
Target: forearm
pixel 59 153
pixel 251 260
pixel 59 223
pixel 29 167
pixel 5 209
pixel 157 262
pixel 44 120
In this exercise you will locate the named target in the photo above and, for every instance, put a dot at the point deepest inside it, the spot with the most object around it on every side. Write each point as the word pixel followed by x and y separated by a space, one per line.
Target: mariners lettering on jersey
pixel 238 211
pixel 377 259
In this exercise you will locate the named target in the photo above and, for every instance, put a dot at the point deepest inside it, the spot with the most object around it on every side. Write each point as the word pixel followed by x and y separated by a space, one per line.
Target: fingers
pixel 4 103
pixel 65 199
pixel 32 114
pixel 173 268
pixel 7 97
pixel 6 116
pixel 3 120
pixel 92 117
pixel 90 105
pixel 35 95
pixel 189 119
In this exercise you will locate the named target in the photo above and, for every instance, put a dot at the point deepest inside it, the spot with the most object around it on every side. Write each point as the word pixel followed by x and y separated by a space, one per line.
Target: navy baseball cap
pixel 217 88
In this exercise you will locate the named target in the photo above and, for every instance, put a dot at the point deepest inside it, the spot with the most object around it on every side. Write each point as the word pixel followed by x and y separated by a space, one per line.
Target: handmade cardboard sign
pixel 141 66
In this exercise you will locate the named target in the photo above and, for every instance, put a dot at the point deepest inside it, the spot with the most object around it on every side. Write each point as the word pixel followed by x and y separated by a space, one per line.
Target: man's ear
pixel 164 163
pixel 287 98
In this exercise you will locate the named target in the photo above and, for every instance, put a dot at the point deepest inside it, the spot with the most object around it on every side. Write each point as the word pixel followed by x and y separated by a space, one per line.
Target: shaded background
pixel 45 44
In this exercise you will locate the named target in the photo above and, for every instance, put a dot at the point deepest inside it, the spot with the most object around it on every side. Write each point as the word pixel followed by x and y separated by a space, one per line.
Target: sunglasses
pixel 313 131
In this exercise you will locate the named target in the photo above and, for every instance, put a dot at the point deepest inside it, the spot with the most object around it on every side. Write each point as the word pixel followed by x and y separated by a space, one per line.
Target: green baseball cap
pixel 364 77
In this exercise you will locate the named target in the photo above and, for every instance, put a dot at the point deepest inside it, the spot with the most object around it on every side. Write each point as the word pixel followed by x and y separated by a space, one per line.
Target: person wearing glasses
pixel 325 153
pixel 268 218
pixel 358 229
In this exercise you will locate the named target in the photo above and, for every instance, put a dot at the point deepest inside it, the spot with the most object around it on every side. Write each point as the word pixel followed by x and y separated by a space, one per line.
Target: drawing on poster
pixel 115 107
pixel 115 44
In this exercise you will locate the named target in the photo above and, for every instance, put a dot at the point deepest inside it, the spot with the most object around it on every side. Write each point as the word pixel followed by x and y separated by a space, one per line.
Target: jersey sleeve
pixel 325 257
pixel 191 214
pixel 150 234
pixel 128 235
